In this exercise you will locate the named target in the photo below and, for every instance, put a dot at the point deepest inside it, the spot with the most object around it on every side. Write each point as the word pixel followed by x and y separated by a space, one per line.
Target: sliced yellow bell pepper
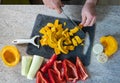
pixel 78 39
pixel 58 38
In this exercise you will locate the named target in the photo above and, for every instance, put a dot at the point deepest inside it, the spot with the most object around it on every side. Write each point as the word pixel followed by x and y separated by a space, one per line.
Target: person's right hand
pixel 54 4
pixel 88 13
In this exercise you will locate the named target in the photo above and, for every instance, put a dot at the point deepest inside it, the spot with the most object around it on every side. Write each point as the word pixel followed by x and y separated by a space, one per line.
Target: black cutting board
pixel 45 51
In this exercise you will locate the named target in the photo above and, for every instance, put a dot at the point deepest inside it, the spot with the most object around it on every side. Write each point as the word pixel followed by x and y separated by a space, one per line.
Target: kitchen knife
pixel 69 18
pixel 72 21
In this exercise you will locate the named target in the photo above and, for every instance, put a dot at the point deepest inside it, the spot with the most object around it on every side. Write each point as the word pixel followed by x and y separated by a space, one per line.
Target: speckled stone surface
pixel 17 22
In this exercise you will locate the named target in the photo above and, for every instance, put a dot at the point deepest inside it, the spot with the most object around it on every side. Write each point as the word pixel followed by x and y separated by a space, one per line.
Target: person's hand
pixel 88 14
pixel 54 4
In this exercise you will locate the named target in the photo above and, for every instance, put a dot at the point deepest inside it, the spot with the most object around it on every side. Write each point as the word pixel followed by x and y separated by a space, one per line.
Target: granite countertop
pixel 17 22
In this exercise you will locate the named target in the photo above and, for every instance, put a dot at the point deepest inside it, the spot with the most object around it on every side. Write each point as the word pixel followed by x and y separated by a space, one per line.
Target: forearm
pixel 92 1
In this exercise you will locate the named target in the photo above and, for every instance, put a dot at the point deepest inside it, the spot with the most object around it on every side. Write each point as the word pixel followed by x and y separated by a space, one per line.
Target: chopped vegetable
pixel 54 77
pixel 35 65
pixel 50 25
pixel 102 58
pixel 26 63
pixel 58 67
pixel 40 78
pixel 49 63
pixel 78 39
pixel 60 45
pixel 56 23
pixel 97 49
pixel 70 71
pixel 74 42
pixel 71 47
pixel 74 30
pixel 67 41
pixel 56 37
pixel 110 45
pixel 82 73
pixel 62 71
pixel 80 26
pixel 65 23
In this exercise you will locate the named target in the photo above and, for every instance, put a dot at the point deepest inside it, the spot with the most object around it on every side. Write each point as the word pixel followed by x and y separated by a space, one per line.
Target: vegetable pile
pixel 61 71
pixel 60 39
pixel 107 47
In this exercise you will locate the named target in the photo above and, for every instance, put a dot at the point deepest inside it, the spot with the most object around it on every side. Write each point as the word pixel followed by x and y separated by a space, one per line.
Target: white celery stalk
pixel 26 62
pixel 35 65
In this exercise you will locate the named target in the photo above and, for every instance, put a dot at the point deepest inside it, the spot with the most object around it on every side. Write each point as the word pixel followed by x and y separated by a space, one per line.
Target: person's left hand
pixel 88 14
pixel 54 4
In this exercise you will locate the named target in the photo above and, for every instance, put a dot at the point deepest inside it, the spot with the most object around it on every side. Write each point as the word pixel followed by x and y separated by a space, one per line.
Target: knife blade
pixel 72 21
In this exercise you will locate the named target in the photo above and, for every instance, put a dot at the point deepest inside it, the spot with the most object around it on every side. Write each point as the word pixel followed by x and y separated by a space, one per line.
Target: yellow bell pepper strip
pixel 70 33
pixel 67 41
pixel 47 28
pixel 50 24
pixel 71 47
pixel 58 34
pixel 59 27
pixel 49 63
pixel 80 26
pixel 53 29
pixel 74 42
pixel 66 30
pixel 42 30
pixel 51 44
pixel 82 73
pixel 52 37
pixel 66 35
pixel 74 30
pixel 64 23
pixel 44 41
pixel 56 23
pixel 60 45
pixel 57 51
pixel 78 39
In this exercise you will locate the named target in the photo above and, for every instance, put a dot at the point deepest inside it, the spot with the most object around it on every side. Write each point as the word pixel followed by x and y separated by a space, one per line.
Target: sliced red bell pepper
pixel 49 63
pixel 70 71
pixel 40 78
pixel 54 77
pixel 58 67
pixel 82 73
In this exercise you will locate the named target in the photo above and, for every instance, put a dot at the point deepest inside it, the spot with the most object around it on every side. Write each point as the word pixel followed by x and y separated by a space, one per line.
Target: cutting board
pixel 45 51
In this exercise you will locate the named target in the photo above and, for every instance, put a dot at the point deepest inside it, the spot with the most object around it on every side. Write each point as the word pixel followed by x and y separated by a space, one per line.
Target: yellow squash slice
pixel 110 44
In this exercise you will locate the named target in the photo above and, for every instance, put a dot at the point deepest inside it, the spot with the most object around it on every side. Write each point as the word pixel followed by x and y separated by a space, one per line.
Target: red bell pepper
pixel 82 73
pixel 70 71
pixel 54 77
pixel 58 67
pixel 49 63
pixel 40 78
